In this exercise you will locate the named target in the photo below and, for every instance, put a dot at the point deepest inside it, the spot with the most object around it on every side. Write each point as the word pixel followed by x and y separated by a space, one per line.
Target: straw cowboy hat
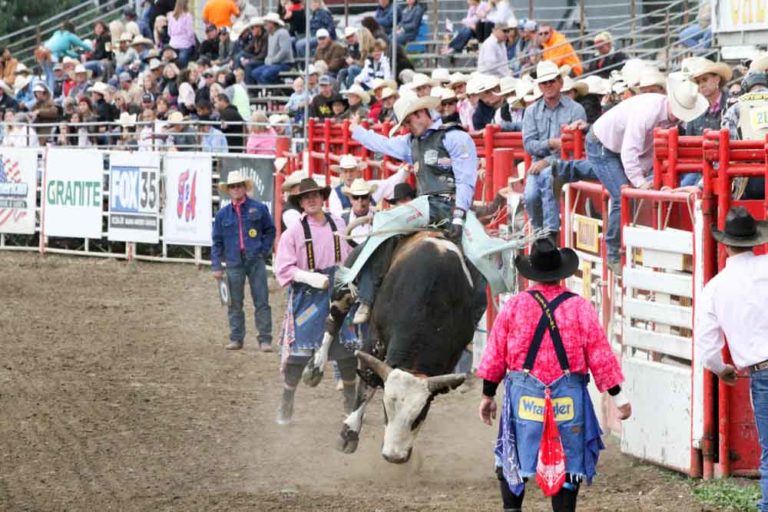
pixel 176 118
pixel 651 76
pixel 759 63
pixel 508 86
pixel 546 262
pixel 141 40
pixel 407 106
pixel 447 94
pixel 306 186
pixel 482 83
pixel 685 102
pixel 274 18
pixel 458 78
pixel 705 66
pixel 359 187
pixel 126 36
pixel 441 76
pixel 358 91
pixel 596 85
pixel 347 162
pixel 100 88
pixel 420 80
pixel 294 179
pixel 380 83
pixel 570 84
pixel 547 70
pixel 741 229
pixel 388 92
pixel 234 178
pixel 127 120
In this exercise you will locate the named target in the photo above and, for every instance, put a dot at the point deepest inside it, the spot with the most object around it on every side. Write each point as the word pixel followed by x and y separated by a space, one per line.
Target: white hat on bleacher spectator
pixel 546 70
pixel 380 83
pixel 632 69
pixel 508 85
pixel 40 87
pixel 406 76
pixel 447 94
pixel 534 95
pixel 349 31
pixel 255 21
pixel 154 64
pixel 569 84
pixel 359 92
pixel 175 117
pixel 512 22
pixel 685 102
pixel 274 18
pixel 347 163
pixel 482 83
pixel 126 36
pixel 69 60
pixel 441 76
pixel 406 106
pixel 597 85
pixel 278 119
pixel 651 76
pixel 79 69
pixel 759 63
pixel 293 179
pixel 142 40
pixel 22 69
pixel 458 78
pixel 127 120
pixel 704 66
pixel 100 88
pixel 359 187
pixel 388 92
pixel 237 29
pixel 322 34
pixel 421 80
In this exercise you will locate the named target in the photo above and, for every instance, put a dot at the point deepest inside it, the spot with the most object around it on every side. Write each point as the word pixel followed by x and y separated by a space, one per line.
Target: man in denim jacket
pixel 243 234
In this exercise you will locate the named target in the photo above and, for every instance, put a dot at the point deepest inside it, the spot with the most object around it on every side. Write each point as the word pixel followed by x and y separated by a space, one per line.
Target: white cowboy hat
pixel 358 91
pixel 154 64
pixel 508 85
pixel 547 70
pixel 21 82
pixel 127 120
pixel 278 119
pixel 359 187
pixel 759 63
pixel 388 92
pixel 40 87
pixel 176 118
pixel 534 95
pixel 274 18
pixel 420 80
pixel 703 66
pixel 293 179
pixel 79 69
pixel 347 162
pixel 126 36
pixel 596 85
pixel 631 71
pixel 349 31
pixel 142 40
pixel 233 178
pixel 570 84
pixel 100 88
pixel 685 102
pixel 651 76
pixel 447 94
pixel 69 60
pixel 407 106
pixel 458 78
pixel 21 69
pixel 481 83
pixel 441 76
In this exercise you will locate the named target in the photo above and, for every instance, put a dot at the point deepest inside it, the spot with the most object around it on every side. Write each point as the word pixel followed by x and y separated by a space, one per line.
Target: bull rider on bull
pixel 543 344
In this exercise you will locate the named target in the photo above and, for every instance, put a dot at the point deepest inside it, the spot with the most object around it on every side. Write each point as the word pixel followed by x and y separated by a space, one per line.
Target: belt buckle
pixel 760 366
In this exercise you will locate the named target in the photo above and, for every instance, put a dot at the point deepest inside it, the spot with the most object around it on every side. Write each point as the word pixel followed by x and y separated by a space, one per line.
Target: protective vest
pixel 346 204
pixel 432 163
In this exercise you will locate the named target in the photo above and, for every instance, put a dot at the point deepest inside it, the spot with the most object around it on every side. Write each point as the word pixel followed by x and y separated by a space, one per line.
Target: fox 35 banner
pixel 260 170
pixel 188 206
pixel 134 197
pixel 72 195
pixel 18 184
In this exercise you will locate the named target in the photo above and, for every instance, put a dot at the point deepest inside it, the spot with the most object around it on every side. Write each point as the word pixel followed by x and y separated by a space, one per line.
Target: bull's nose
pixel 398 459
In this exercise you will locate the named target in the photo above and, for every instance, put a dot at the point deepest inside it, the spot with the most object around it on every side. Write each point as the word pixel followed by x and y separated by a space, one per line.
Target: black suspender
pixel 308 242
pixel 547 321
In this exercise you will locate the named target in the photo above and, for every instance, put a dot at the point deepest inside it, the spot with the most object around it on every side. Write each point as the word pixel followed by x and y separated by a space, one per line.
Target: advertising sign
pixel 187 219
pixel 72 195
pixel 260 170
pixel 739 15
pixel 134 197
pixel 18 183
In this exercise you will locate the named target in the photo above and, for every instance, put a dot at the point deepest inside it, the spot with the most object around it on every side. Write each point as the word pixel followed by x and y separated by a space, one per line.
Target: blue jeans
pixel 609 170
pixel 95 67
pixel 269 73
pixel 690 179
pixel 256 271
pixel 540 202
pixel 759 388
pixel 575 170
pixel 184 55
pixel 301 46
pixel 365 285
pixel 461 39
pixel 347 76
pixel 693 36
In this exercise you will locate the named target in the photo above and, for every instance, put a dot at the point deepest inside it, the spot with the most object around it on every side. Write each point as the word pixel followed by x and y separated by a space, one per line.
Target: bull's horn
pixel 381 368
pixel 445 383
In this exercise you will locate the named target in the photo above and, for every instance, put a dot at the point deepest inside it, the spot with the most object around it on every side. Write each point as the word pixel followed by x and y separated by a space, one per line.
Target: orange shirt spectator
pixel 557 49
pixel 220 12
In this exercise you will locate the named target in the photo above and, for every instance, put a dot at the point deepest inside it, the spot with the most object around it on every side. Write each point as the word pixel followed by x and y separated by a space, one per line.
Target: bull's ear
pixel 445 383
pixel 381 368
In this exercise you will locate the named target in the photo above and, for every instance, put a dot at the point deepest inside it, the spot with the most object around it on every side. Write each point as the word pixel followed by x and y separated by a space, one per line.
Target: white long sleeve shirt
pixel 492 58
pixel 733 304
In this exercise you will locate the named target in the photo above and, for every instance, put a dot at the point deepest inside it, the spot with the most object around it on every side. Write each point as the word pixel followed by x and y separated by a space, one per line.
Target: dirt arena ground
pixel 116 394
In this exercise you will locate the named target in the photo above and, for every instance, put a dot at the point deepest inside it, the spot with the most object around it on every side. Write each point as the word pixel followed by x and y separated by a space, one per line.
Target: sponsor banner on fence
pixel 260 170
pixel 18 187
pixel 72 195
pixel 739 15
pixel 188 217
pixel 134 197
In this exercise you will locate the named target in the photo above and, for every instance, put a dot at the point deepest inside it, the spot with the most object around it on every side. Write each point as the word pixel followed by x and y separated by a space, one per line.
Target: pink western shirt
pixel 585 343
pixel 292 249
pixel 627 129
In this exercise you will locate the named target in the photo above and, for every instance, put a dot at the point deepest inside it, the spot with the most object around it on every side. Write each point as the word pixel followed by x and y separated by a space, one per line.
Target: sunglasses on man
pixel 361 198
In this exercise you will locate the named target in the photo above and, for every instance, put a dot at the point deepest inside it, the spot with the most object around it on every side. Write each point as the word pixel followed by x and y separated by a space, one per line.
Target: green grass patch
pixel 728 494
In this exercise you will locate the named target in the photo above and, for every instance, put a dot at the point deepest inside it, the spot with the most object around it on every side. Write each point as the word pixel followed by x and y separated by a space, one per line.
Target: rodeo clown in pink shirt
pixel 307 257
pixel 542 344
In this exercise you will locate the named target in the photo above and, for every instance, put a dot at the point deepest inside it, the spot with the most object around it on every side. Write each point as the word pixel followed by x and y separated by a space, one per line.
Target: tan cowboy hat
pixel 446 94
pixel 705 66
pixel 126 36
pixel 176 118
pixel 294 179
pixel 547 70
pixel 508 85
pixel 458 78
pixel 100 88
pixel 359 92
pixel 349 31
pixel 274 18
pixel 407 106
pixel 359 187
pixel 379 83
pixel 481 83
pixel 651 76
pixel 523 88
pixel 420 80
pixel 142 40
pixel 233 178
pixel 441 76
pixel 127 120
pixel 347 162
pixel 306 186
pixel 388 92
pixel 685 102
pixel 570 84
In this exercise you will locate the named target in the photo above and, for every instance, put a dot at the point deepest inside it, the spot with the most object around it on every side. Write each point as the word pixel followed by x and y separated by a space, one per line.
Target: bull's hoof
pixel 348 440
pixel 312 375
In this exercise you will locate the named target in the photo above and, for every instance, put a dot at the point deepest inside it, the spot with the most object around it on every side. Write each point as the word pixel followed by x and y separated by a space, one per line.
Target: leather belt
pixel 759 366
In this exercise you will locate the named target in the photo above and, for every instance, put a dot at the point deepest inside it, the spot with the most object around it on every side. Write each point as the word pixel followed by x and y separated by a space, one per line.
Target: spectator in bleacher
pixel 162 109
pixel 500 12
pixel 409 21
pixel 7 66
pixel 376 65
pixel 492 57
pixel 262 138
pixel 187 90
pixel 376 87
pixel 620 145
pixel 529 53
pixel 182 32
pixel 211 138
pixel 169 84
pixel 160 33
pixel 513 44
pixel 357 101
pixel 449 107
pixel 226 49
pixel 557 49
pixel 292 12
pixel 99 59
pixel 421 85
pixel 143 46
pixel 652 80
pixel 7 103
pixel 321 19
pixel 592 101
pixel 232 123
pixel 204 91
pixel 330 51
pixel 64 42
pixel 255 52
pixel 699 34
pixel 19 133
pixel 607 57
pixel 297 101
pixel 387 112
pixel 180 136
pixel 127 140
pixel 339 107
pixel 125 55
pixel 508 118
pixel 486 87
pixel 475 9
pixel 279 52
pixel 383 15
pixel 209 48
pixel 359 45
pixel 220 12
pixel 24 95
pixel 542 123
pixel 44 113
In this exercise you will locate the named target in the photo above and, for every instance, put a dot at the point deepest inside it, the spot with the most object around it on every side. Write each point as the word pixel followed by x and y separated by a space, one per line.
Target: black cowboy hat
pixel 547 262
pixel 306 186
pixel 402 191
pixel 741 229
